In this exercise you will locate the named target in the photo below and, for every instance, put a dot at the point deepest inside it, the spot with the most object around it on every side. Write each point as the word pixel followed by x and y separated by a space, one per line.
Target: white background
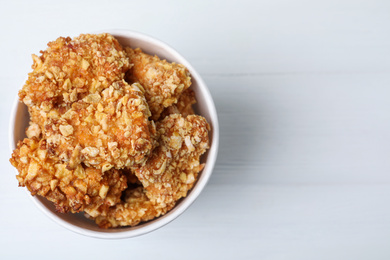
pixel 302 90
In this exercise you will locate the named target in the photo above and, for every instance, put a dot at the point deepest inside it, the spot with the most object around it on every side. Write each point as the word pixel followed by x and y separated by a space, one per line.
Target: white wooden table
pixel 302 89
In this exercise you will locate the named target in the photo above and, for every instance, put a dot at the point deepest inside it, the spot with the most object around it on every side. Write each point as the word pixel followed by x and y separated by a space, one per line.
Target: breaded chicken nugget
pixel 103 130
pixel 93 144
pixel 183 105
pixel 68 70
pixel 135 208
pixel 172 169
pixel 69 190
pixel 163 81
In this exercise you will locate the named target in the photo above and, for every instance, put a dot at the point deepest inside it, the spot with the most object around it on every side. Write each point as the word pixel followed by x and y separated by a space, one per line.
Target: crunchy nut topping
pixel 103 191
pixel 66 130
pixel 70 190
pixel 57 71
pixel 90 151
pixel 106 167
pixel 107 132
pixel 135 208
pixel 92 98
pixel 183 105
pixel 85 64
pixel 163 81
pixel 33 130
pixel 32 170
pixel 171 170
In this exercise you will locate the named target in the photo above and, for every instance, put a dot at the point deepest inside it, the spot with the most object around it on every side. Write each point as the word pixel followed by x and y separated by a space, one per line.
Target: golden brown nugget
pixel 70 69
pixel 183 105
pixel 103 130
pixel 173 167
pixel 38 116
pixel 69 190
pixel 135 208
pixel 163 81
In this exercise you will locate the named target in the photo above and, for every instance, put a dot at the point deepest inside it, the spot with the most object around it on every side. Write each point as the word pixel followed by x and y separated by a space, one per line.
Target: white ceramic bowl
pixel 205 107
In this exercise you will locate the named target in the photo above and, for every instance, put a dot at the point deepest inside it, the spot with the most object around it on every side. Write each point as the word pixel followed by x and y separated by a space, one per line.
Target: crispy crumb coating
pixel 163 81
pixel 167 176
pixel 172 169
pixel 183 105
pixel 37 117
pixel 103 130
pixel 69 190
pixel 33 130
pixel 70 69
pixel 135 208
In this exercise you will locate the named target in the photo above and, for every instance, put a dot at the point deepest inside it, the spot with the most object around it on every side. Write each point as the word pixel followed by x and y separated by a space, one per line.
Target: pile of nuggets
pixel 112 131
